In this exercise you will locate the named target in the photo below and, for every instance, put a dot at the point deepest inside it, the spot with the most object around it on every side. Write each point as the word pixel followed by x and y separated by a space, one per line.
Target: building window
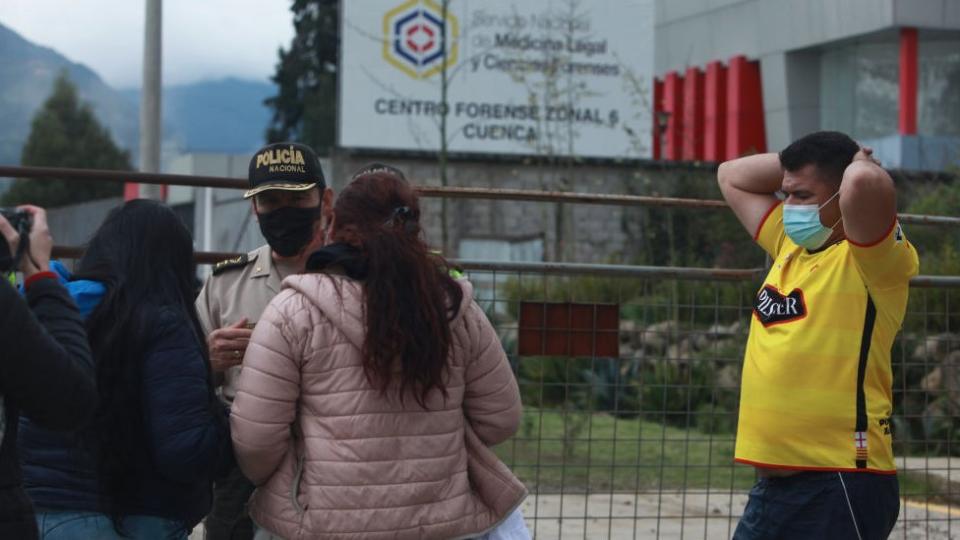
pixel 860 88
pixel 938 87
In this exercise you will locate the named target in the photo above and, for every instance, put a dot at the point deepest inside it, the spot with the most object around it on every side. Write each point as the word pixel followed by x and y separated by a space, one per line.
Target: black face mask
pixel 289 229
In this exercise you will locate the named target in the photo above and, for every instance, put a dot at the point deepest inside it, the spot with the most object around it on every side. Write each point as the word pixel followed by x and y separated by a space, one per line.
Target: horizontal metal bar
pixel 614 270
pixel 574 269
pixel 921 219
pixel 201 257
pixel 425 191
pixel 703 274
pixel 563 196
pixel 936 282
pixel 93 175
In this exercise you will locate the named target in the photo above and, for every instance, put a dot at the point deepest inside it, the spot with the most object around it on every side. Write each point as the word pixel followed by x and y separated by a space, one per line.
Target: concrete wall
pixel 591 233
pixel 694 32
pixel 784 35
pixel 74 225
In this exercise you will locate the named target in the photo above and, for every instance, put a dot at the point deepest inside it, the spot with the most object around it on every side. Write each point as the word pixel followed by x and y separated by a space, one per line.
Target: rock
pixel 935 347
pixel 932 381
pixel 631 336
pixel 701 341
pixel 680 353
pixel 736 328
pixel 950 381
pixel 657 336
pixel 728 377
pixel 718 331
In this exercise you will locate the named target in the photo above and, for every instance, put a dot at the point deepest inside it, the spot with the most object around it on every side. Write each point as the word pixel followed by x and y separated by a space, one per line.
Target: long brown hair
pixel 410 299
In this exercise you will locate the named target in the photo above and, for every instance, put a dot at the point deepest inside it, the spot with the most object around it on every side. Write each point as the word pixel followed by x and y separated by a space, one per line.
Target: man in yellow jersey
pixel 816 397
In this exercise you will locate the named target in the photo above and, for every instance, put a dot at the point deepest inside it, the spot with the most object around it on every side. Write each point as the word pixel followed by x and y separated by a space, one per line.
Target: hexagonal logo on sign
pixel 413 41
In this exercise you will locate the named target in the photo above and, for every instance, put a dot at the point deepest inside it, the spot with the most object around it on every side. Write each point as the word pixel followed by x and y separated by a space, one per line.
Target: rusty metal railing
pixel 92 175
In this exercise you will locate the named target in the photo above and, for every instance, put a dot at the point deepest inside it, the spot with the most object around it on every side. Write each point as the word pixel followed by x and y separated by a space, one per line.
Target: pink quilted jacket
pixel 334 458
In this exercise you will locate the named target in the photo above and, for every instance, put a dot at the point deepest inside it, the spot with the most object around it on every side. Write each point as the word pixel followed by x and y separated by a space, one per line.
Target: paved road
pixel 679 516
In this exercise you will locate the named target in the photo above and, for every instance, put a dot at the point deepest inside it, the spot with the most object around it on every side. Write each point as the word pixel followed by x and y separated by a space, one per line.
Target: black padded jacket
pixel 46 374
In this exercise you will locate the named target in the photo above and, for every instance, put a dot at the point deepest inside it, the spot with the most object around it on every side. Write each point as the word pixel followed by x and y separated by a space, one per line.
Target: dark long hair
pixel 410 299
pixel 143 253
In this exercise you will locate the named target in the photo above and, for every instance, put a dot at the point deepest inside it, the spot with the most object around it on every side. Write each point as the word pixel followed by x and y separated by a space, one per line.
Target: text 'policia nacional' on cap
pixel 284 166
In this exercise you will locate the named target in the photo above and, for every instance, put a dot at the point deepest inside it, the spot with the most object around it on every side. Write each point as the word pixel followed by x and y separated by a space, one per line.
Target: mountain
pixel 226 115
pixel 27 72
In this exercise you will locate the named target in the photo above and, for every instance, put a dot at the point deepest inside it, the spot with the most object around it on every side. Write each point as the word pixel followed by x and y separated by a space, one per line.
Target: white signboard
pixel 529 77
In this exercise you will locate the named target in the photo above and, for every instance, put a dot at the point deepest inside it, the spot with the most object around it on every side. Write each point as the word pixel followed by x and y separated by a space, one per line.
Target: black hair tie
pixel 403 215
pixel 400 213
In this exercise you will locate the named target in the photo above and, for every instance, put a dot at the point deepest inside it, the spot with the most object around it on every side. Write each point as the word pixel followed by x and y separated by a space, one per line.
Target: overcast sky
pixel 202 39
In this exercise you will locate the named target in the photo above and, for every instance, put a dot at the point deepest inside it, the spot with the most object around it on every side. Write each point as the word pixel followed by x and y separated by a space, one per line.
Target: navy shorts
pixel 816 505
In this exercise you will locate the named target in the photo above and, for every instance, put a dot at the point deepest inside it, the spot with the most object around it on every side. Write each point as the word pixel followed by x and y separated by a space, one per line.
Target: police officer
pixel 293 207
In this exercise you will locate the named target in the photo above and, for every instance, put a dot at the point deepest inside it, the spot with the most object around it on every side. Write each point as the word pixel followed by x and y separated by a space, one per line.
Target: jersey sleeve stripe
pixel 763 220
pixel 879 240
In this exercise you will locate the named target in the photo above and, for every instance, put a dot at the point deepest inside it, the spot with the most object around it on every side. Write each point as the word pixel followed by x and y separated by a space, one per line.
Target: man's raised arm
pixel 748 184
pixel 868 200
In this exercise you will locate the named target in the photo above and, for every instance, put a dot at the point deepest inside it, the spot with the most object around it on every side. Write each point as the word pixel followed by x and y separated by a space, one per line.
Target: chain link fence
pixel 637 441
pixel 630 381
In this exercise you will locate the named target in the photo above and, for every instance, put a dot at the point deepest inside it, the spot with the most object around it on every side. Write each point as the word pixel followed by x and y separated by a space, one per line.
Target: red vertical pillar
pixel 908 81
pixel 714 112
pixel 693 114
pixel 673 105
pixel 655 138
pixel 131 191
pixel 745 130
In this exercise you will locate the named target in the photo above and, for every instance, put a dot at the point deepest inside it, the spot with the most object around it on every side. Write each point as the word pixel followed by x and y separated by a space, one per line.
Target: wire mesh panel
pixel 640 445
pixel 926 420
pixel 634 438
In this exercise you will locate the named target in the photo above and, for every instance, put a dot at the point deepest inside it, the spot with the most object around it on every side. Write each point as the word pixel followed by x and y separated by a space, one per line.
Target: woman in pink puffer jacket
pixel 372 388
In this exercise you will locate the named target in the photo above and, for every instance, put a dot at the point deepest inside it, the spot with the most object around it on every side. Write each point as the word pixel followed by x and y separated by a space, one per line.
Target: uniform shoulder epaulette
pixel 236 262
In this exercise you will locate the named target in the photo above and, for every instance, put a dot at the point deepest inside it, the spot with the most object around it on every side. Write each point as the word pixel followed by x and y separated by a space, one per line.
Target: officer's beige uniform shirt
pixel 234 294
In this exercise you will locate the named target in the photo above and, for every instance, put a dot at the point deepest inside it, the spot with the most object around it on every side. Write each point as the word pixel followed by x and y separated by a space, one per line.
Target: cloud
pixel 202 39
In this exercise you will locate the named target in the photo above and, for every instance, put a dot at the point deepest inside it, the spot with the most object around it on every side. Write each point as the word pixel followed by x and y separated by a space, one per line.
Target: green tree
pixel 305 107
pixel 66 133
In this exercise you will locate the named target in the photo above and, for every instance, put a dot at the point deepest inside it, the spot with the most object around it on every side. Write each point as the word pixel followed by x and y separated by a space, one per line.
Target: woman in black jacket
pixel 46 372
pixel 144 468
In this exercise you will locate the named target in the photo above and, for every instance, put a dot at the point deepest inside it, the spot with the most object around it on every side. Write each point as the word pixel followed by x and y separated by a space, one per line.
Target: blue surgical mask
pixel 802 224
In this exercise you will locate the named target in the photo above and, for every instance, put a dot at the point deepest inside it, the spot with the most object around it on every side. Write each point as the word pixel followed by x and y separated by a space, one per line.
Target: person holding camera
pixel 46 369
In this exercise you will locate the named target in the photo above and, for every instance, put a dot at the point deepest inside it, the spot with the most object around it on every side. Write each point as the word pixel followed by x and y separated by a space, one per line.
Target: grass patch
pixel 575 451
pixel 923 487
pixel 579 452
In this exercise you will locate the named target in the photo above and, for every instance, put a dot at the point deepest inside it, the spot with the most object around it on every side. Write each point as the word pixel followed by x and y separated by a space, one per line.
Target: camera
pixel 22 222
